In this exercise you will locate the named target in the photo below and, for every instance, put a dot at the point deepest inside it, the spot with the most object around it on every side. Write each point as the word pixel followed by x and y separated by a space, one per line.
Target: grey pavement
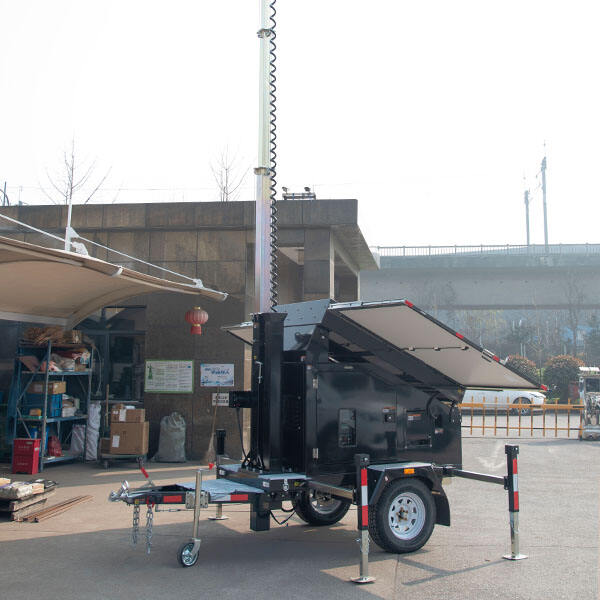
pixel 85 553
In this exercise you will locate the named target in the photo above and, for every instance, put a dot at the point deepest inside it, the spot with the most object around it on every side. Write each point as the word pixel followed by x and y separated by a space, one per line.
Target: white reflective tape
pixel 515 483
pixel 364 495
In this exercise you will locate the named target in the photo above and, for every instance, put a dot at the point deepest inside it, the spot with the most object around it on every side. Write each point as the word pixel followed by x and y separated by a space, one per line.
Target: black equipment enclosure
pixel 331 380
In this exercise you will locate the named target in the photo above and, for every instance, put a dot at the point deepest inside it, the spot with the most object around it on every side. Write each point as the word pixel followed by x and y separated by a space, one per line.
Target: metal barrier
pixel 522 419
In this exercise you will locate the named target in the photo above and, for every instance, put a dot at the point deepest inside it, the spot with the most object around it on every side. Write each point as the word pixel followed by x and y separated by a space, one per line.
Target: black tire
pixel 524 411
pixel 320 509
pixel 184 555
pixel 410 533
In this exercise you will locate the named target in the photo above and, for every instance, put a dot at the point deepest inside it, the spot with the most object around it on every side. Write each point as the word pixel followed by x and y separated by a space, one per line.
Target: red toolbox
pixel 26 455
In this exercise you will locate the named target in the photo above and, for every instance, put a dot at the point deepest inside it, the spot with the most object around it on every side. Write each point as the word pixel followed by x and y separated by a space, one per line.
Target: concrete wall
pixel 213 242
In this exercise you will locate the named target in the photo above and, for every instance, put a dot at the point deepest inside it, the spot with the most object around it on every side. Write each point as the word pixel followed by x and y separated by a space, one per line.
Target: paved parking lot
pixel 85 553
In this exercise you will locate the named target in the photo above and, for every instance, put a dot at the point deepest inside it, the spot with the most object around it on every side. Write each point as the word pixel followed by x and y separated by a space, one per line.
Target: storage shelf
pixel 55 373
pixel 53 419
pixel 52 459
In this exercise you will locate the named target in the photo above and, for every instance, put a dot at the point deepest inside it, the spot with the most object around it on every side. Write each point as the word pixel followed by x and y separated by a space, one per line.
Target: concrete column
pixel 319 261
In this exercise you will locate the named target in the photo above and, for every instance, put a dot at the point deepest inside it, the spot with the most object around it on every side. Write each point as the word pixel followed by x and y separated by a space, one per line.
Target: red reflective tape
pixel 460 336
pixel 514 466
pixel 173 499
pixel 516 501
pixel 409 304
pixel 363 477
pixel 364 516
pixel 239 497
pixel 144 473
pixel 496 358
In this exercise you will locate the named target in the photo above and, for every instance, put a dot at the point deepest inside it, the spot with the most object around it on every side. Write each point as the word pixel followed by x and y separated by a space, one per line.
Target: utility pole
pixel 527 214
pixel 545 210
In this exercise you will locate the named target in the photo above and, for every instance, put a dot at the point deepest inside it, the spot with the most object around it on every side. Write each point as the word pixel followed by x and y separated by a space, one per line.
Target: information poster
pixel 220 399
pixel 216 375
pixel 169 376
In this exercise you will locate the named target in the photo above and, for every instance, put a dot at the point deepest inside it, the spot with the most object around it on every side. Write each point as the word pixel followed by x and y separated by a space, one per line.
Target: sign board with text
pixel 216 375
pixel 169 376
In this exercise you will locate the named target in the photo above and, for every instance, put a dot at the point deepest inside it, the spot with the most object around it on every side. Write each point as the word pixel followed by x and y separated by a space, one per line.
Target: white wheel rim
pixel 322 504
pixel 186 556
pixel 406 515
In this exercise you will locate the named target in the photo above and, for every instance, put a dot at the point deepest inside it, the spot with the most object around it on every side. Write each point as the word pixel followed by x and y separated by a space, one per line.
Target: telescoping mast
pixel 351 403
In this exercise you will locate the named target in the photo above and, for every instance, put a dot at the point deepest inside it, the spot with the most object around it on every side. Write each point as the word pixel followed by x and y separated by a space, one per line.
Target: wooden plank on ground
pixel 56 509
pixel 12 505
pixel 23 513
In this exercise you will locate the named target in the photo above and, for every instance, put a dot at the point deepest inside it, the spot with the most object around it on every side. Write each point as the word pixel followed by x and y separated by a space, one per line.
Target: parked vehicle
pixel 502 398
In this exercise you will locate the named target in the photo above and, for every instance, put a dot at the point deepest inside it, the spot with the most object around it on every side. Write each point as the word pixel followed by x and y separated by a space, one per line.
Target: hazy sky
pixel 430 113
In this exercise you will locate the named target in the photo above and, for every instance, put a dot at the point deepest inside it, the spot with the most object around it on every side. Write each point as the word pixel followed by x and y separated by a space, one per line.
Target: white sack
pixel 171 443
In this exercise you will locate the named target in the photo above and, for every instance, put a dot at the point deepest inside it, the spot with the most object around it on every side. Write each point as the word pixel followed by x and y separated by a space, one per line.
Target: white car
pixel 502 398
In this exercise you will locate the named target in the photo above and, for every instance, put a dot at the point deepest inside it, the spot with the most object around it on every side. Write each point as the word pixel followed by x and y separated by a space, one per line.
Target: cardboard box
pixel 72 336
pixel 4 481
pixel 54 387
pixel 127 415
pixel 129 438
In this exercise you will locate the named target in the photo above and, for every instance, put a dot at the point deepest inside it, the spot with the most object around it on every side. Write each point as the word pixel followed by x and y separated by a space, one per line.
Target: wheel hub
pixel 406 515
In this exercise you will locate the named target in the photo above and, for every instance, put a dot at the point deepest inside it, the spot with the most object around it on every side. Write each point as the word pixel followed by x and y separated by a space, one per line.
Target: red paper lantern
pixel 196 317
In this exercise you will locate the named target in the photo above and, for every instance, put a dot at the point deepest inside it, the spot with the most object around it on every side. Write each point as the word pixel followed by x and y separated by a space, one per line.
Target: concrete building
pixel 321 252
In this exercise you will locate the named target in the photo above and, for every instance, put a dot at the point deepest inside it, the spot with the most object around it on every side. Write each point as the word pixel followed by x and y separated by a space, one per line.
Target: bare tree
pixel 228 176
pixel 74 183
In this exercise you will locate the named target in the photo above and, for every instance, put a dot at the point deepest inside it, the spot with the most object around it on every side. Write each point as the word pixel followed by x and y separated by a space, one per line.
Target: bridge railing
pixel 494 249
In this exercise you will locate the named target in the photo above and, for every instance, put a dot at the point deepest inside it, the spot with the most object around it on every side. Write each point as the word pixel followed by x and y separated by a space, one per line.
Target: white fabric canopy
pixel 44 285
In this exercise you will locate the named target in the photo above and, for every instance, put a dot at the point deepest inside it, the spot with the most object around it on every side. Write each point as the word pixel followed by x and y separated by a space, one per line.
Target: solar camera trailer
pixel 351 403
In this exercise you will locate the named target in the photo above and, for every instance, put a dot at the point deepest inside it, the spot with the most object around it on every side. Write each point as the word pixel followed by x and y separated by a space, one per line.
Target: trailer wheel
pixel 317 508
pixel 404 516
pixel 185 555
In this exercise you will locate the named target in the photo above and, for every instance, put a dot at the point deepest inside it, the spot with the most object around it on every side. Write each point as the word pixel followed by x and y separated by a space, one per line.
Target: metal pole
pixel 220 452
pixel 197 504
pixel 512 485
pixel 262 258
pixel 545 210
pixel 527 214
pixel 362 509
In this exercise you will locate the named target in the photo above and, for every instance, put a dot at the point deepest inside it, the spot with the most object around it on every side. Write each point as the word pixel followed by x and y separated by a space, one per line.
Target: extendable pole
pixel 262 250
pixel 512 485
pixel 362 510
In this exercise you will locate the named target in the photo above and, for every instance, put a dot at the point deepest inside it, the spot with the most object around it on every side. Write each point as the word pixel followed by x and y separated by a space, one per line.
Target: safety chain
pixel 149 522
pixel 136 524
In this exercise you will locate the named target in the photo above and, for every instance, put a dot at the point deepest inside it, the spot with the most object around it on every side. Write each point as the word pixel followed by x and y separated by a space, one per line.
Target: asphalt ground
pixel 85 552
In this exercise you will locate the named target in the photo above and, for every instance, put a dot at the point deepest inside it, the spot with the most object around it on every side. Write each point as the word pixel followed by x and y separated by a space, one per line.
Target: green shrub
pixel 559 371
pixel 524 366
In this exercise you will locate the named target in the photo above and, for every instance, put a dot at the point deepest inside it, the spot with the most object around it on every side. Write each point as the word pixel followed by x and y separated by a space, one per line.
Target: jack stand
pixel 514 539
pixel 219 516
pixel 220 452
pixel 364 559
pixel 362 510
pixel 512 485
pixel 195 539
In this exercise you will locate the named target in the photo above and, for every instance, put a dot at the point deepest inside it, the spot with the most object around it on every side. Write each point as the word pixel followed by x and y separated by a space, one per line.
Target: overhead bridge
pixel 558 276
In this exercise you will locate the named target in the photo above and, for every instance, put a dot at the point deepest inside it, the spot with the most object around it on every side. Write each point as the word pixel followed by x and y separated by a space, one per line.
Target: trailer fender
pixel 380 477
